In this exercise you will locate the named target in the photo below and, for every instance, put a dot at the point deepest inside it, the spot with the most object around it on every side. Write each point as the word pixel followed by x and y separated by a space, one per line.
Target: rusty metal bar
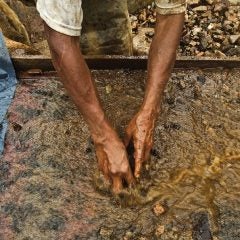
pixel 117 62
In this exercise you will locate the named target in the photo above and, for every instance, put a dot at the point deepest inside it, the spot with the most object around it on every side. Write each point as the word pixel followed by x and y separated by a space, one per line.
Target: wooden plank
pixel 118 62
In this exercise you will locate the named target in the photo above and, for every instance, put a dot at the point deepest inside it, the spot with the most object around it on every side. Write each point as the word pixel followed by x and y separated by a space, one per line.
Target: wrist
pixel 150 110
pixel 102 131
pixel 151 105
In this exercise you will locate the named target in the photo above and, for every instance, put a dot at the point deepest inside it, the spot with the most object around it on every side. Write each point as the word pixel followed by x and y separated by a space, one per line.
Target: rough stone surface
pixel 50 188
pixel 210 29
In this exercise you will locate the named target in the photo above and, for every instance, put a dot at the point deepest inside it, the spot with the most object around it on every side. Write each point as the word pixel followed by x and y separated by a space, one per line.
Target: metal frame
pixel 36 65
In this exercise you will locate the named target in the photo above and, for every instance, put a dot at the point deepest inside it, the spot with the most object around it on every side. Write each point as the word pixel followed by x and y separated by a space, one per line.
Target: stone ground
pixel 51 189
pixel 211 29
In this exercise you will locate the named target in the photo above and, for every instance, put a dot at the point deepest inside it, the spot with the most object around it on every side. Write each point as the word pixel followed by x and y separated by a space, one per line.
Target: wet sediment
pixel 189 189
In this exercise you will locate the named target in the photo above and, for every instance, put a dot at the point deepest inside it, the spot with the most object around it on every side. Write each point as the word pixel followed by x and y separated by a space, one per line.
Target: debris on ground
pixel 211 29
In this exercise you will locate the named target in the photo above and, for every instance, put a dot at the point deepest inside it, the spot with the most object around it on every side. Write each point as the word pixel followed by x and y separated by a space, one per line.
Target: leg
pixel 76 78
pixel 161 60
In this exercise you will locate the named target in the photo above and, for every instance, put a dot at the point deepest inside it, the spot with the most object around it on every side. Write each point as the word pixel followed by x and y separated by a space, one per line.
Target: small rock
pixel 211 26
pixel 204 43
pixel 108 89
pixel 193 43
pixel 201 79
pixel 150 34
pixel 218 38
pixel 211 131
pixel 152 21
pixel 196 92
pixel 193 2
pixel 133 18
pixel 232 17
pixel 233 51
pixel 234 38
pixel 219 7
pixel 181 84
pixel 210 2
pixel 226 89
pixel 219 54
pixel 134 27
pixel 200 9
pixel 158 209
pixel 196 30
pixel 128 235
pixel 105 233
pixel 200 54
pixel 160 230
pixel 142 16
pixel 217 45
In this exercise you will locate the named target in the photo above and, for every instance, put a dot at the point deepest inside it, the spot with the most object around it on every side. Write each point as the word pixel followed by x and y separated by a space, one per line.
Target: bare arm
pixel 76 78
pixel 162 56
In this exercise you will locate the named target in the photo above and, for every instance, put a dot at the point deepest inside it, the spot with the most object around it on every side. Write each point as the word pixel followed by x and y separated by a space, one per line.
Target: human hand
pixel 140 133
pixel 113 161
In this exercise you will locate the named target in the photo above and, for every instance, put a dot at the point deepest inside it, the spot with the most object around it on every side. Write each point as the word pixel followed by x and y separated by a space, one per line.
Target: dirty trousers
pixel 65 16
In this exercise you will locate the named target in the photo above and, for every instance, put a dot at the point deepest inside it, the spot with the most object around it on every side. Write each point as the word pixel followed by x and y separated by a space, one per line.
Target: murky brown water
pixel 48 183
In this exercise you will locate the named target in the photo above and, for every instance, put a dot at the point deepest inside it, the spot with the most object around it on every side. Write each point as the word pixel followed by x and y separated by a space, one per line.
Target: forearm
pixel 79 84
pixel 162 56
pixel 77 80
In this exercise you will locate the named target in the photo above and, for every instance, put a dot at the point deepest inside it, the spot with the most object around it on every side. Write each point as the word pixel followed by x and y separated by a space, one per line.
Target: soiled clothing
pixel 65 16
pixel 167 7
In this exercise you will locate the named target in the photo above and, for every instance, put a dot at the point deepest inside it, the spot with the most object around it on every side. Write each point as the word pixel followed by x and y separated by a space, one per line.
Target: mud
pixel 49 183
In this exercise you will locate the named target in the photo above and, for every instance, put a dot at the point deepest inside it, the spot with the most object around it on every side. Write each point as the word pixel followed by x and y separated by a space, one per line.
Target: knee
pixel 60 43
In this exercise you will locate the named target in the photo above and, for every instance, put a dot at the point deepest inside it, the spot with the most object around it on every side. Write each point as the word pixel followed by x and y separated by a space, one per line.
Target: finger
pixel 127 137
pixel 130 178
pixel 102 163
pixel 100 158
pixel 147 154
pixel 107 172
pixel 138 155
pixel 138 168
pixel 148 148
pixel 117 184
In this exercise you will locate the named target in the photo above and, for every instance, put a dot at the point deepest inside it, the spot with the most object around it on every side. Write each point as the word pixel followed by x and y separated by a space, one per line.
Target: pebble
pixel 150 34
pixel 219 54
pixel 181 84
pixel 201 79
pixel 158 209
pixel 193 2
pixel 108 89
pixel 104 232
pixel 160 230
pixel 234 38
pixel 226 89
pixel 200 9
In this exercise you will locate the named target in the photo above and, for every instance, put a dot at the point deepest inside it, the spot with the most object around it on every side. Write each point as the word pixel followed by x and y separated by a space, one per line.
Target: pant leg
pixel 167 7
pixel 64 16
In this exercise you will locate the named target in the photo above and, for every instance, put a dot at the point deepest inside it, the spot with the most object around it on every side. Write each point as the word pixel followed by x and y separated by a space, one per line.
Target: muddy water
pixel 49 184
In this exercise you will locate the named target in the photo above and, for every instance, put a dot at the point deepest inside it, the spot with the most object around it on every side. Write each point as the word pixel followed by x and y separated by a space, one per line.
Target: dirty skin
pixel 51 187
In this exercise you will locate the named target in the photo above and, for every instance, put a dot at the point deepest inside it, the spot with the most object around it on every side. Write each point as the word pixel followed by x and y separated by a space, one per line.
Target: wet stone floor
pixel 50 187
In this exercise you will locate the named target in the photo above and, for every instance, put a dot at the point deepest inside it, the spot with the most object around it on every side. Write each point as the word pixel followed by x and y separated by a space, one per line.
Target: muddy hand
pixel 113 162
pixel 140 132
